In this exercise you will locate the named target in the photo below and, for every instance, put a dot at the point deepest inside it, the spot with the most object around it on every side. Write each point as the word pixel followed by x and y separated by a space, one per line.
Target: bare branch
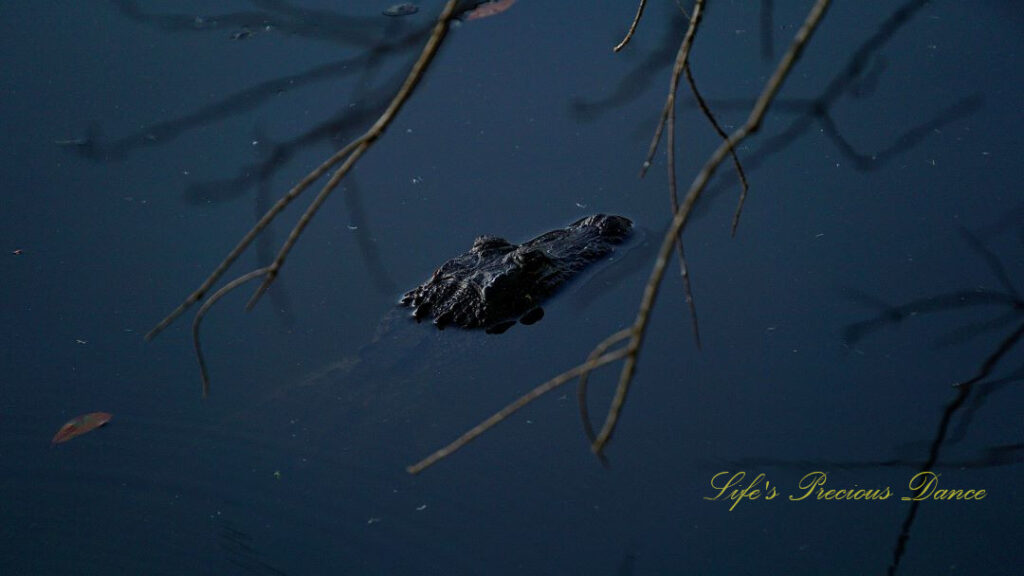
pixel 638 330
pixel 632 27
pixel 202 313
pixel 735 160
pixel 677 69
pixel 581 387
pixel 246 240
pixel 512 408
pixel 751 126
pixel 684 270
pixel 350 154
pixel 364 142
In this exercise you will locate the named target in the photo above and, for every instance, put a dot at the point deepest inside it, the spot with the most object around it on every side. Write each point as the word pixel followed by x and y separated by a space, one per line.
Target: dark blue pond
pixel 878 262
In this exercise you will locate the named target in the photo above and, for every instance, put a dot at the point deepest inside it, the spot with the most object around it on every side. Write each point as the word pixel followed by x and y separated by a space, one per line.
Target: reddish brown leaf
pixel 489 9
pixel 81 425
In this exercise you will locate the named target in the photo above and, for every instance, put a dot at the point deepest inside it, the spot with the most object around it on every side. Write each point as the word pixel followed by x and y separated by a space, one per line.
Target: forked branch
pixel 638 330
pixel 752 125
pixel 348 156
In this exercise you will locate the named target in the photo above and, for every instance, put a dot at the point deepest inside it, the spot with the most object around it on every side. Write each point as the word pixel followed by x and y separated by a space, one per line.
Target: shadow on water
pixel 639 80
pixel 381 39
pixel 238 547
pixel 630 259
pixel 859 78
pixel 279 16
pixel 767 30
pixel 379 36
pixel 979 387
pixel 970 394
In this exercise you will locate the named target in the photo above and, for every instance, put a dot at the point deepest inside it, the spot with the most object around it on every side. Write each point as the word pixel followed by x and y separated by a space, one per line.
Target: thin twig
pixel 751 126
pixel 684 270
pixel 429 50
pixel 306 217
pixel 735 160
pixel 682 56
pixel 507 411
pixel 246 240
pixel 581 387
pixel 202 313
pixel 632 27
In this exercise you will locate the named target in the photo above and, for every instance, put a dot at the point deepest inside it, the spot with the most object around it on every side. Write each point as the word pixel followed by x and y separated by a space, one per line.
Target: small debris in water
pixel 200 22
pixel 403 9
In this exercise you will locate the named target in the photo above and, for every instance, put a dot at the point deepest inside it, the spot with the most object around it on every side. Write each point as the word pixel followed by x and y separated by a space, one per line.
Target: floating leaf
pixel 489 9
pixel 81 425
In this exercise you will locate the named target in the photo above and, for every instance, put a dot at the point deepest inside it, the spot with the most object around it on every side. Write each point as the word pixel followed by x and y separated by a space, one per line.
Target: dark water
pixel 878 262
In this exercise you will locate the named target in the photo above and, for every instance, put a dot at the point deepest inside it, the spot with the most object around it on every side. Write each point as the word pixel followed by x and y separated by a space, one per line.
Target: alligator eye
pixel 530 260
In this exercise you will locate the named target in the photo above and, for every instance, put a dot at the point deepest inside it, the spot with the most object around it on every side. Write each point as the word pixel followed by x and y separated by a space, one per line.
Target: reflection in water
pixel 640 79
pixel 382 40
pixel 859 78
pixel 971 394
pixel 627 566
pixel 767 30
pixel 273 15
pixel 238 546
pixel 1012 305
pixel 379 275
pixel 851 79
pixel 990 457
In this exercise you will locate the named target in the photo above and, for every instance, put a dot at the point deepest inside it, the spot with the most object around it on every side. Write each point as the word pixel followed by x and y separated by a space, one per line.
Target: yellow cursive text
pixel 925 486
pixel 812 485
pixel 733 488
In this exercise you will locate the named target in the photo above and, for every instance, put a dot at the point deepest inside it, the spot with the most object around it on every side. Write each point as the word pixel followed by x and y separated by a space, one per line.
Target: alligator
pixel 394 377
pixel 497 282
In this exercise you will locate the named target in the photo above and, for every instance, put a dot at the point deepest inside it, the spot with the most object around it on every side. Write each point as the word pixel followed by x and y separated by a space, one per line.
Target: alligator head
pixel 497 282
